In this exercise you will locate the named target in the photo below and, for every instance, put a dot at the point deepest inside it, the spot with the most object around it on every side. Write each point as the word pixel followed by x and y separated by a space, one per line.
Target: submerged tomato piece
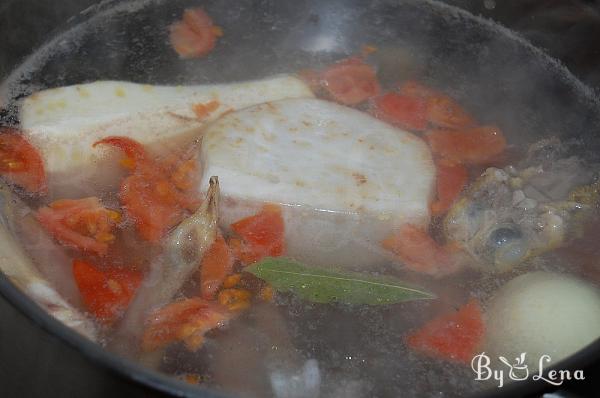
pixel 20 162
pixel 186 320
pixel 133 150
pixel 401 110
pixel 203 110
pixel 262 229
pixel 311 77
pixel 105 292
pixel 443 111
pixel 477 145
pixel 351 81
pixel 194 36
pixel 451 180
pixel 82 224
pixel 197 19
pixel 440 109
pixel 217 264
pixel 262 235
pixel 157 195
pixel 420 253
pixel 152 203
pixel 455 336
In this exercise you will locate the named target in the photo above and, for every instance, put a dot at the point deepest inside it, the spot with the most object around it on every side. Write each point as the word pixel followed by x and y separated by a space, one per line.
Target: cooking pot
pixel 491 70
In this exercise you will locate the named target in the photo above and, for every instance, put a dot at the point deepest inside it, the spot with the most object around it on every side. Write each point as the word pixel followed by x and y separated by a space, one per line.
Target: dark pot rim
pixel 95 353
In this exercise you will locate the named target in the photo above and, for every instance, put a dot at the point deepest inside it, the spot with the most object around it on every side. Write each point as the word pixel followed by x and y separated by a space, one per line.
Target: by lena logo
pixel 519 370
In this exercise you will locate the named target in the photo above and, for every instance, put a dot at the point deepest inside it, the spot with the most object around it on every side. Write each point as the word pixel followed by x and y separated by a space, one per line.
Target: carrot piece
pixel 105 293
pixel 262 235
pixel 455 336
pixel 266 293
pixel 473 146
pixel 401 110
pixel 186 320
pixel 235 299
pixel 350 81
pixel 217 264
pixel 451 179
pixel 20 162
pixel 232 281
pixel 420 253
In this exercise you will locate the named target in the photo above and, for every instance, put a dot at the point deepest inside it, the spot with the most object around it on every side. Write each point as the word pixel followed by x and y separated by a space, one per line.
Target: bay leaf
pixel 327 286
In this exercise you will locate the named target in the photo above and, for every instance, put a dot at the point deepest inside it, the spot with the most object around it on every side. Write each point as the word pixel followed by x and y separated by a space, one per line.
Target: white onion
pixel 543 313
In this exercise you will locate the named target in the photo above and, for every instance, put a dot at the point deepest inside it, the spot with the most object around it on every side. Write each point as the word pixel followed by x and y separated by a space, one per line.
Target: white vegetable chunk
pixel 64 122
pixel 346 179
pixel 542 313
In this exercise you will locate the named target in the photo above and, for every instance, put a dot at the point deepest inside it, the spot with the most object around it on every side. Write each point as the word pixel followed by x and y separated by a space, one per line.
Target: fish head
pixel 510 215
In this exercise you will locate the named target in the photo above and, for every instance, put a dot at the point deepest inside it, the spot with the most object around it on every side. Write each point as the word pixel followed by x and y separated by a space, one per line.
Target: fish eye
pixel 508 246
pixel 501 236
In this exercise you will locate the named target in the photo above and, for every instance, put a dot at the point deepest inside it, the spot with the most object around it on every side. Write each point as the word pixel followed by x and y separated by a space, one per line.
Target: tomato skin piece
pixel 420 253
pixel 451 180
pixel 245 252
pixel 413 88
pixel 105 292
pixel 441 110
pixel 187 320
pixel 401 110
pixel 20 162
pixel 263 228
pixel 203 110
pixel 194 36
pixel 454 337
pixel 263 235
pixel 154 213
pixel 158 193
pixel 477 145
pixel 187 43
pixel 198 20
pixel 350 81
pixel 444 112
pixel 82 224
pixel 134 151
pixel 217 264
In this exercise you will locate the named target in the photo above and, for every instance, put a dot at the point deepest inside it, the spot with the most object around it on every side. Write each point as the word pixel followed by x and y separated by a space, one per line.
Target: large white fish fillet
pixel 346 179
pixel 64 122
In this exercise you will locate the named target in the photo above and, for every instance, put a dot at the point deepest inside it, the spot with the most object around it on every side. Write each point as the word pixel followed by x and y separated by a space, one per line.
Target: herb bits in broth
pixel 318 232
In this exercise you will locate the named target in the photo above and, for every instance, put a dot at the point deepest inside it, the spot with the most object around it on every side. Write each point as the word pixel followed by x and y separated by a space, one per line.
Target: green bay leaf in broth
pixel 328 286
